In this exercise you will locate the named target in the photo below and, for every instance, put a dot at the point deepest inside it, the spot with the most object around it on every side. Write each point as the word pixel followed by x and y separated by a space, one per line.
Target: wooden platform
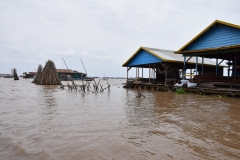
pixel 218 91
pixel 219 88
pixel 154 86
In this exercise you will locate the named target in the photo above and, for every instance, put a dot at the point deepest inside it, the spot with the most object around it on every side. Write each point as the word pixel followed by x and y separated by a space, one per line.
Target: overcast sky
pixel 104 34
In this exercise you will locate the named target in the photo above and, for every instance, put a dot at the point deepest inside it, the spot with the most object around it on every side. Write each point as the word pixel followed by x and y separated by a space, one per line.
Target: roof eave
pixel 124 64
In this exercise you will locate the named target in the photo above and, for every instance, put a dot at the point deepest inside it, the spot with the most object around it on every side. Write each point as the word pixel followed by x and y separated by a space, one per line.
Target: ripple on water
pixel 44 122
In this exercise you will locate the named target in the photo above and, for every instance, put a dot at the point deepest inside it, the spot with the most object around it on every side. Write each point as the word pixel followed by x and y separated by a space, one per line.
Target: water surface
pixel 44 122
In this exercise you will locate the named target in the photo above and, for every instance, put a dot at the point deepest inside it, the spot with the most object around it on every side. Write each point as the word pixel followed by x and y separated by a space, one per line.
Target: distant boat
pixel 105 78
pixel 87 78
pixel 29 75
pixel 9 76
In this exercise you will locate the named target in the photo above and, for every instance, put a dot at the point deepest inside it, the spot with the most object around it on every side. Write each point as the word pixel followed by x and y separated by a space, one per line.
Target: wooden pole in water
pixel 67 68
pixel 139 93
pixel 83 66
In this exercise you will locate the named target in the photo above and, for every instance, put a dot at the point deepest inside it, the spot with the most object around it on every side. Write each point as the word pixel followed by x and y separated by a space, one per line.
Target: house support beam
pixel 189 58
pixel 184 68
pixel 220 62
pixel 127 73
pixel 138 71
pixel 149 73
pixel 196 65
pixel 128 68
pixel 228 68
pixel 234 67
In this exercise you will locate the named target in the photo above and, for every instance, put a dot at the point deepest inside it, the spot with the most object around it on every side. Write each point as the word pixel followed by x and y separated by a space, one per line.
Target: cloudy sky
pixel 104 34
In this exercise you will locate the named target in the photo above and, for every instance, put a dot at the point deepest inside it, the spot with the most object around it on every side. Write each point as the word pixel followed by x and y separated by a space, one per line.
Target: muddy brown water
pixel 44 122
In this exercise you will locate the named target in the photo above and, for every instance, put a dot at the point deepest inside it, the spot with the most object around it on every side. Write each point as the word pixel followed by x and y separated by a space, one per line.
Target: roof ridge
pixel 157 48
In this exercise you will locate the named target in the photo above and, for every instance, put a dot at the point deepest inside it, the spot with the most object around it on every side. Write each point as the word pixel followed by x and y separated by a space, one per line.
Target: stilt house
pixel 219 41
pixel 164 65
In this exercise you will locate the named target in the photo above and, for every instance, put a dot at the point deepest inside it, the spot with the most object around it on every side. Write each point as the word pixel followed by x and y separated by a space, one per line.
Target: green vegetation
pixel 180 91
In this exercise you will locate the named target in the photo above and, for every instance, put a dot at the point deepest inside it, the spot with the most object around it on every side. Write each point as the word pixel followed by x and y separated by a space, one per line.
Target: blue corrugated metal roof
pixel 219 34
pixel 143 57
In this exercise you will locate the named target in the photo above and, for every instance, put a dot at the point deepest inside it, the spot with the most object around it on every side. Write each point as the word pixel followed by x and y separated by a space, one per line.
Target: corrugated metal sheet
pixel 170 56
pixel 218 34
pixel 143 57
pixel 146 55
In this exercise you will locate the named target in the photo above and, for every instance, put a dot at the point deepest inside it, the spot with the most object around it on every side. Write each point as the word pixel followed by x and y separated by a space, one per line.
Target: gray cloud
pixel 103 33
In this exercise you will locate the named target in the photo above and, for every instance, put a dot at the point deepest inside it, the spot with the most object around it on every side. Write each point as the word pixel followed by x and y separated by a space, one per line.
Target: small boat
pixel 29 75
pixel 9 76
pixel 105 78
pixel 87 78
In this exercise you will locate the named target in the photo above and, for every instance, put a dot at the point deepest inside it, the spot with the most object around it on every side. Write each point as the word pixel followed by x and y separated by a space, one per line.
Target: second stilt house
pixel 164 66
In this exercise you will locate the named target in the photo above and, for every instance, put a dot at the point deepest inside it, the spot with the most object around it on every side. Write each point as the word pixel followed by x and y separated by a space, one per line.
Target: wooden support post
pixel 196 65
pixel 165 76
pixel 184 68
pixel 235 61
pixel 153 72
pixel 228 68
pixel 149 73
pixel 127 73
pixel 136 72
pixel 191 73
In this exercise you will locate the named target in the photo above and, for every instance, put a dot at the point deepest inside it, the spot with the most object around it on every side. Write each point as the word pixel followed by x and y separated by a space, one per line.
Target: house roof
pixel 67 71
pixel 168 56
pixel 228 46
pixel 59 71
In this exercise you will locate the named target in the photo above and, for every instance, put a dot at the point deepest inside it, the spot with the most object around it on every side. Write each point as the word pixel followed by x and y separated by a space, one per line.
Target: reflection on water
pixel 49 106
pixel 44 122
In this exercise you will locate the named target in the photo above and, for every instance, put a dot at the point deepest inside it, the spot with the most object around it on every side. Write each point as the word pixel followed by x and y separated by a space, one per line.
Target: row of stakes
pixel 86 87
pixel 96 88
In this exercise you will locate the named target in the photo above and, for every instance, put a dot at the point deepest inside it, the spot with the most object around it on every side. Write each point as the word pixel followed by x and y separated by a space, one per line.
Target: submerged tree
pixel 14 73
pixel 49 75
